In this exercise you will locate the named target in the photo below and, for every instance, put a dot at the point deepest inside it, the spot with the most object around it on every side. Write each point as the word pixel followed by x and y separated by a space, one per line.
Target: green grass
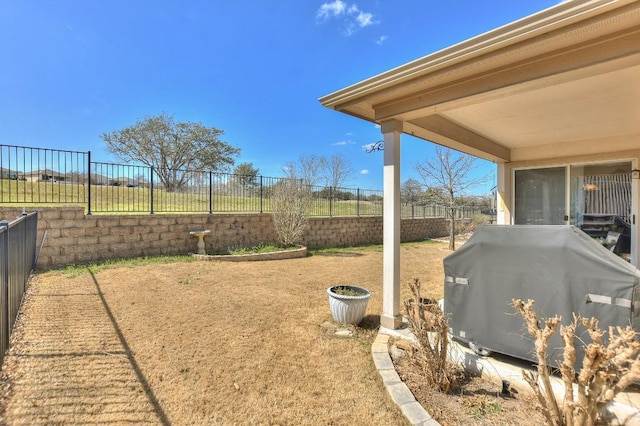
pixel 124 200
pixel 137 200
pixel 73 271
pixel 416 243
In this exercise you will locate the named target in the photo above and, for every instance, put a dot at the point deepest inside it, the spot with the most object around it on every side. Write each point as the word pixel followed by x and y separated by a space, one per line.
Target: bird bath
pixel 200 234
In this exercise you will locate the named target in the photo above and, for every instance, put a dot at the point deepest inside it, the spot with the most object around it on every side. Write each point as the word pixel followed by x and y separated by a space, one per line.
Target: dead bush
pixel 429 326
pixel 606 369
pixel 289 204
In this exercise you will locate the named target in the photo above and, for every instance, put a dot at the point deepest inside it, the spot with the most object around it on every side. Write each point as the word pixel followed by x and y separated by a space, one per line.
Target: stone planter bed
pixel 275 255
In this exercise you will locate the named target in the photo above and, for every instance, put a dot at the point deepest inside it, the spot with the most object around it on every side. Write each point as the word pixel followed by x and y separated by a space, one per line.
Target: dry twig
pixel 430 329
pixel 606 369
pixel 541 336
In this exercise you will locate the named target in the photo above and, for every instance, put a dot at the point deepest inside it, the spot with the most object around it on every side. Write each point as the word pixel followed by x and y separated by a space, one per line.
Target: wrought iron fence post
pixel 35 240
pixel 25 249
pixel 89 183
pixel 4 225
pixel 358 202
pixel 23 260
pixel 261 206
pixel 330 201
pixel 151 190
pixel 210 192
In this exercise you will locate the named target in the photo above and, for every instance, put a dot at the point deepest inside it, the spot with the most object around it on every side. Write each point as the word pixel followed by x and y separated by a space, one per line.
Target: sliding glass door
pixel 600 189
pixel 540 196
pixel 596 198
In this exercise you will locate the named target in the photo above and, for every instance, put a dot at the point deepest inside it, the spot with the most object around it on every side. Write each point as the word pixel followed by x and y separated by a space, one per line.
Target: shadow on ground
pixel 73 361
pixel 370 322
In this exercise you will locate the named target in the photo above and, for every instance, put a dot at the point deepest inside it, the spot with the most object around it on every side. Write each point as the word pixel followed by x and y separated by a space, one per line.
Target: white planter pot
pixel 347 309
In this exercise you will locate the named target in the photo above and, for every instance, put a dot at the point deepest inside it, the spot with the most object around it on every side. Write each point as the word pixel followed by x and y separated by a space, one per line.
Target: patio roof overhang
pixel 560 85
pixel 563 81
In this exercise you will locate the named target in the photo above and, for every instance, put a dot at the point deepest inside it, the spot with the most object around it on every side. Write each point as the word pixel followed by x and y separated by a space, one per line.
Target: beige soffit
pixel 565 74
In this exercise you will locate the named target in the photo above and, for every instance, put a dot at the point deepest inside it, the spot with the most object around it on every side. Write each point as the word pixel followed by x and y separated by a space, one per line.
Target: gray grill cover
pixel 560 267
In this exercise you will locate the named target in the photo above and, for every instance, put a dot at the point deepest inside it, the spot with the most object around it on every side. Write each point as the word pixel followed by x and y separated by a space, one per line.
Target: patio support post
pixel 503 217
pixel 391 317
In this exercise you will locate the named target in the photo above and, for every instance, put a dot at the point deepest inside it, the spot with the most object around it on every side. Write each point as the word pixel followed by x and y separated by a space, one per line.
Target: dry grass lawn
pixel 204 343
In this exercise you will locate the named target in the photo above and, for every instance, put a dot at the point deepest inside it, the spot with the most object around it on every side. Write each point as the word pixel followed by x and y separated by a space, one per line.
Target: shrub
pixel 480 219
pixel 290 201
pixel 431 331
pixel 606 369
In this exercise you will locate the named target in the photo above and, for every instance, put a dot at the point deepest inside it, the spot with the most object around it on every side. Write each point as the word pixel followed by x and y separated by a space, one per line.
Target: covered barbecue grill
pixel 560 267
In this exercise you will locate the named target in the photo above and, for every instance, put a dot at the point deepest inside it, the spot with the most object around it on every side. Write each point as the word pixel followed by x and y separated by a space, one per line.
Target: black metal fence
pixel 46 176
pixel 17 259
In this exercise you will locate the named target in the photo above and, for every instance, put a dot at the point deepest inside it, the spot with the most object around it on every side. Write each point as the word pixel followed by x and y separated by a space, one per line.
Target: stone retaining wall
pixel 75 238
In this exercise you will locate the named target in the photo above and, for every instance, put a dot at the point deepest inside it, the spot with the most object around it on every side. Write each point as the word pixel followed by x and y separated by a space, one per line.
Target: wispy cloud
pixel 364 19
pixel 350 14
pixel 329 10
pixel 364 172
pixel 343 143
pixel 381 39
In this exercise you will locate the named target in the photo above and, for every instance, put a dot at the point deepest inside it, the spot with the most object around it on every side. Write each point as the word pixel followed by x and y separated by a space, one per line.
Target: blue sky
pixel 72 70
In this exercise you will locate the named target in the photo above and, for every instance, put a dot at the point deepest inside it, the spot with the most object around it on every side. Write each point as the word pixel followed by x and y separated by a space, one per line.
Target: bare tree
pixel 337 171
pixel 450 171
pixel 307 169
pixel 411 191
pixel 312 170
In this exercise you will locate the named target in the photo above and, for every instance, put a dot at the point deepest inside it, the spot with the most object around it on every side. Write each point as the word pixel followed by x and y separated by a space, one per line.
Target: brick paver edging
pixel 399 392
